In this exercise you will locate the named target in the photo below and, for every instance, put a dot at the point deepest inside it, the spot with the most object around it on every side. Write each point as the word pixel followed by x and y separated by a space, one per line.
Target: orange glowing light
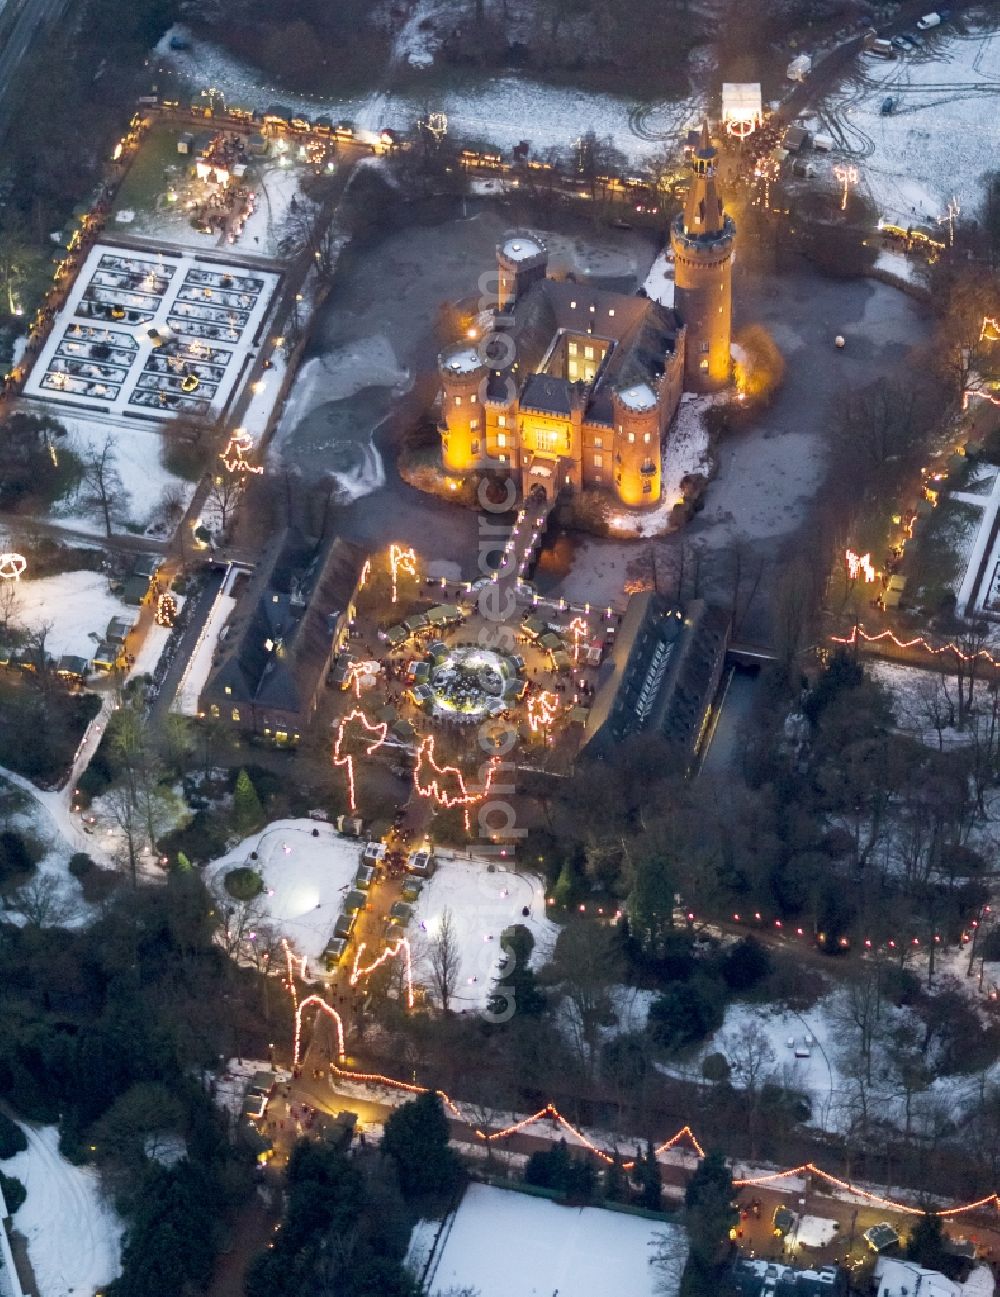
pixel 393 951
pixel 431 780
pixel 542 710
pixel 323 1007
pixel 860 565
pixel 339 759
pixel 401 560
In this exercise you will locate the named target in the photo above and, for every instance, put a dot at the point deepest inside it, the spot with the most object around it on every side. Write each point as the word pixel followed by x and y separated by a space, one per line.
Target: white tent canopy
pixel 742 106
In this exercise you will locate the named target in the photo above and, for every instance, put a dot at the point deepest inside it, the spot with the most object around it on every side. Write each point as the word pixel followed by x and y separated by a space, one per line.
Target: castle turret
pixel 702 238
pixel 461 426
pixel 522 260
pixel 638 419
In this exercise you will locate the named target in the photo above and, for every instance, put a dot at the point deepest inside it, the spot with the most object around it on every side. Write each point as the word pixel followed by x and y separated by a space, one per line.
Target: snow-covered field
pixel 502 110
pixel 74 1235
pixel 925 703
pixel 943 134
pixel 76 605
pixel 507 1244
pixel 482 904
pixel 275 185
pixel 147 487
pixel 306 878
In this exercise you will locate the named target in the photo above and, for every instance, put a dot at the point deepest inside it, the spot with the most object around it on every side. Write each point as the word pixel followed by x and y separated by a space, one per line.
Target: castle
pixel 575 387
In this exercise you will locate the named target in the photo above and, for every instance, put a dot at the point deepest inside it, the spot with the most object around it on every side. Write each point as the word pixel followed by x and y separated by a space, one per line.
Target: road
pixel 35 16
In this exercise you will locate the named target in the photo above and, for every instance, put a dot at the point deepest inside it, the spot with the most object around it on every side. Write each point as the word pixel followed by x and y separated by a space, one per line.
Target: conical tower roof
pixel 704 216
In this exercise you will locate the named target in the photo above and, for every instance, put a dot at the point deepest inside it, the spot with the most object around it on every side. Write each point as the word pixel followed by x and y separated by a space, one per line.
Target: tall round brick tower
pixel 461 427
pixel 702 238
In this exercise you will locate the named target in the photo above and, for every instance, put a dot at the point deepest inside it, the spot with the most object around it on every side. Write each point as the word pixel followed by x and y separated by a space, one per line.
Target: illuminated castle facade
pixel 575 387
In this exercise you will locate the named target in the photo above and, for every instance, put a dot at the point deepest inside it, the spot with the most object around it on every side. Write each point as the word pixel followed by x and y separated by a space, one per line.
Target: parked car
pixel 928 21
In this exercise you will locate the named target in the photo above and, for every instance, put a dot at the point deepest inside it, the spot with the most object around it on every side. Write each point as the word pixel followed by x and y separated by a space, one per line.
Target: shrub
pixel 80 864
pixel 14 1192
pixel 243 884
pixel 18 856
pixel 201 840
pixel 12 1138
pixel 685 1013
pixel 715 1067
pixel 745 964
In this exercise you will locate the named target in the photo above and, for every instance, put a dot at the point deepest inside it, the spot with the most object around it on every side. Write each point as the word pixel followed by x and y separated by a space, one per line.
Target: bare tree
pixel 224 496
pixel 444 956
pixel 751 1059
pixel 40 902
pixel 102 484
pixel 128 816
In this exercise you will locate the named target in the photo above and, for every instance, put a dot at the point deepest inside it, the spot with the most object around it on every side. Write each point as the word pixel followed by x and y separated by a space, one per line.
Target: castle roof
pixel 283 626
pixel 642 334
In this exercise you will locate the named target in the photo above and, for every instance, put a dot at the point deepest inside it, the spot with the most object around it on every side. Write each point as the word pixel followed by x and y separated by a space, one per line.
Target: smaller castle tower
pixel 702 237
pixel 522 260
pixel 638 419
pixel 462 423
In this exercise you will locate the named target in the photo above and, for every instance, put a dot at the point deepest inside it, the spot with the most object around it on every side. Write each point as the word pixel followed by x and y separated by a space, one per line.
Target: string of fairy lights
pixel 859 634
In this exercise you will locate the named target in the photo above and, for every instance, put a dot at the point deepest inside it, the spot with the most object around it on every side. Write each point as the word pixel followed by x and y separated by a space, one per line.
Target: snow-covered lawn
pixel 659 283
pixel 74 1235
pixel 77 606
pixel 306 878
pixel 199 665
pixel 146 484
pixel 943 134
pixel 507 1244
pixel 482 904
pixel 501 110
pixel 274 184
pixel 923 702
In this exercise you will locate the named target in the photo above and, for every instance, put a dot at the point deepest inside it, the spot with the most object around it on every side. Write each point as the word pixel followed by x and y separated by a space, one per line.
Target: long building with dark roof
pixel 574 387
pixel 660 677
pixel 289 622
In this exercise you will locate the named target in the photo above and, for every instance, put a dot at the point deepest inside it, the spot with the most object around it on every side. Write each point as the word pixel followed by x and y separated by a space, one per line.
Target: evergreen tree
pixel 647 1172
pixel 416 1137
pixel 650 905
pixel 926 1244
pixel 709 1215
pixel 248 814
pixel 615 1184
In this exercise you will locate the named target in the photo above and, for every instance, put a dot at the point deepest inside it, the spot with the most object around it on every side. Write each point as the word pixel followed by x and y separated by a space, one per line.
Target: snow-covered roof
pixel 741 101
pixel 466 361
pixel 522 248
pixel 896 1278
pixel 639 397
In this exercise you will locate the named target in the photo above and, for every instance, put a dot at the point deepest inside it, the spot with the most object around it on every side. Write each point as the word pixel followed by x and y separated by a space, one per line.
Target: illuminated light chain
pixel 991 326
pixel 859 565
pixel 366 572
pixel 330 1012
pixel 542 710
pixel 918 641
pixel 847 176
pixel 380 731
pixel 400 947
pixel 980 396
pixel 551 1112
pixel 12 566
pixel 235 454
pixel 401 560
pixel 434 788
pixel 579 628
pixel 166 609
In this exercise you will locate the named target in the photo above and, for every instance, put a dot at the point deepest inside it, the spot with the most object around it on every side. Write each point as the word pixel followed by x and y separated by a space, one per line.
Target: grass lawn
pixel 146 181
